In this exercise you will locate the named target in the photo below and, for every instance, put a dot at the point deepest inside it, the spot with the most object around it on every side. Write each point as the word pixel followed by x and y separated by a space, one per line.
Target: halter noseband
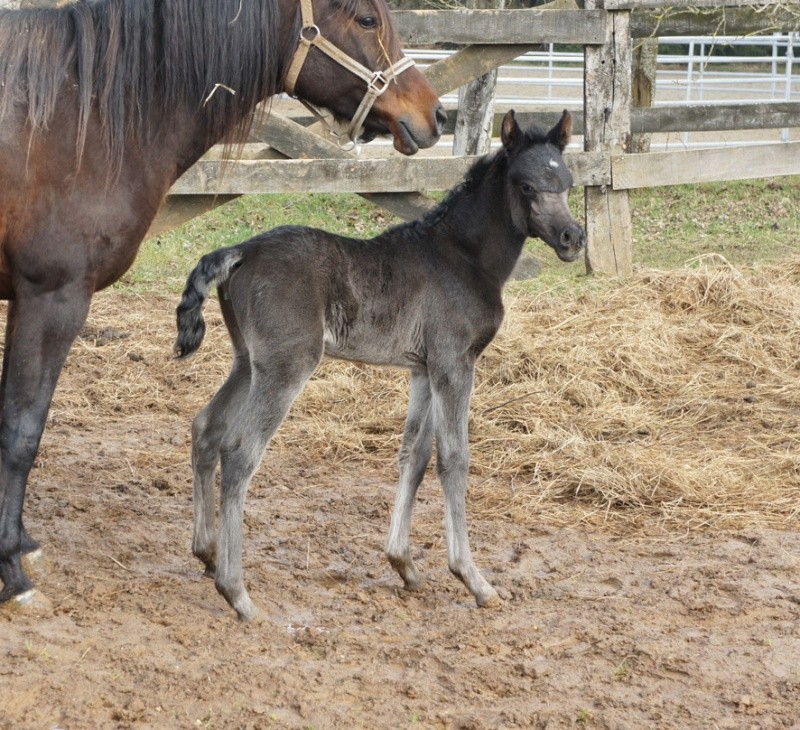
pixel 377 81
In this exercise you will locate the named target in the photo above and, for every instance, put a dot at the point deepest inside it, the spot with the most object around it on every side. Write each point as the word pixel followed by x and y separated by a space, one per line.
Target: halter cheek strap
pixel 377 81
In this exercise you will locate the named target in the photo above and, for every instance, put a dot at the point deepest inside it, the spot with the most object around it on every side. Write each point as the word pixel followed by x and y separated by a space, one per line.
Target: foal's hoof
pixel 488 599
pixel 415 583
pixel 247 611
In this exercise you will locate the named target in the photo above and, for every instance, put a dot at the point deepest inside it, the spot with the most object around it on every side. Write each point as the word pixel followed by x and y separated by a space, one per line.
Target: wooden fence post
pixel 607 128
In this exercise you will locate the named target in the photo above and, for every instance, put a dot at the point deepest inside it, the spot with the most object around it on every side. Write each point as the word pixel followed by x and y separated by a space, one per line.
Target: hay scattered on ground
pixel 674 395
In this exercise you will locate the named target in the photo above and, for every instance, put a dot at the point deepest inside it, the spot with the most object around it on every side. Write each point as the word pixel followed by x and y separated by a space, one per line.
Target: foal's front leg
pixel 452 387
pixel 415 453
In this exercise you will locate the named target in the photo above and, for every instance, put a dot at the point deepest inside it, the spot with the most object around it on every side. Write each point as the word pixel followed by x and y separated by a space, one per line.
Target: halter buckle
pixel 313 30
pixel 378 83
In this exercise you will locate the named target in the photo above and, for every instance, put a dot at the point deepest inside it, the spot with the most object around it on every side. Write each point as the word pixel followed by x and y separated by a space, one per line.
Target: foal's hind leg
pixel 452 387
pixel 276 380
pixel 208 430
pixel 415 453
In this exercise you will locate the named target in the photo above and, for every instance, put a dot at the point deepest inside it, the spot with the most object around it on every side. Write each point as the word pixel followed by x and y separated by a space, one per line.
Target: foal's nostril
pixel 441 119
pixel 571 236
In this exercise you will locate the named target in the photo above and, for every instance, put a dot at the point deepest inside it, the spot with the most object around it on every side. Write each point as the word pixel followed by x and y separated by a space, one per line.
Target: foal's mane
pixel 494 165
pixel 136 60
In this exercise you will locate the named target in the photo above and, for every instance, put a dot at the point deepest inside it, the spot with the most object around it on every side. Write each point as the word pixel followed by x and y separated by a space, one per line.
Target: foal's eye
pixel 368 22
pixel 526 189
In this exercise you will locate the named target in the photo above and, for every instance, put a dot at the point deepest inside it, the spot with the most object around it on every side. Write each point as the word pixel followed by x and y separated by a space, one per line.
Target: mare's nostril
pixel 441 119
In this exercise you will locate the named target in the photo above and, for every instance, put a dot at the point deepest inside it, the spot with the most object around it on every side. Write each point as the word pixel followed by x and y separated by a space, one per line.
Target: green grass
pixel 748 222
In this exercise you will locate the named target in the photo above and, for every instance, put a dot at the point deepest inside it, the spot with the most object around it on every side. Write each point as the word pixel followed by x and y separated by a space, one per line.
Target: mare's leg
pixel 27 543
pixel 208 430
pixel 452 387
pixel 45 325
pixel 277 377
pixel 415 453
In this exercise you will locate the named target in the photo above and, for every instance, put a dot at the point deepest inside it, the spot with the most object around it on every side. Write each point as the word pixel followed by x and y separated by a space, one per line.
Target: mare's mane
pixel 136 61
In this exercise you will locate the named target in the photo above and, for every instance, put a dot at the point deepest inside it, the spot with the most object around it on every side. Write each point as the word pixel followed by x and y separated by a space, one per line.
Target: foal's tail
pixel 213 268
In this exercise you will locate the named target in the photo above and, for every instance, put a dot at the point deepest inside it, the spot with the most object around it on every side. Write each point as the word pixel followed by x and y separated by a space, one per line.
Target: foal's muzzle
pixel 571 242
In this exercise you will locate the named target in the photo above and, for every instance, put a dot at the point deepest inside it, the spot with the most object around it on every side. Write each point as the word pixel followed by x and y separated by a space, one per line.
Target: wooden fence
pixel 300 159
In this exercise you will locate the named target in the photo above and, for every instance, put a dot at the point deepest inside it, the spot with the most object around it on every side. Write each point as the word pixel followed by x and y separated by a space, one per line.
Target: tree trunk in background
pixel 645 57
pixel 473 131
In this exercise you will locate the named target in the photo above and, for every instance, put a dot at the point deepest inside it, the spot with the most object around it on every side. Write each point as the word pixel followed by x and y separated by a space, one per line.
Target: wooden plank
pixel 474 61
pixel 297 142
pixel 607 104
pixel 681 118
pixel 469 63
pixel 709 165
pixel 530 26
pixel 721 21
pixel 360 175
pixel 694 118
pixel 178 209
pixel 713 117
pixel 663 4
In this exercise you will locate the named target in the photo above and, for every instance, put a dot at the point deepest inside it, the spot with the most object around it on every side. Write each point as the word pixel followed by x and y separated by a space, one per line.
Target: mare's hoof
pixel 33 562
pixel 30 602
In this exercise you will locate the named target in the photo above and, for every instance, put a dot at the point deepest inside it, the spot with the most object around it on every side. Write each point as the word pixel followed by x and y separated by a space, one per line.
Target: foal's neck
pixel 480 224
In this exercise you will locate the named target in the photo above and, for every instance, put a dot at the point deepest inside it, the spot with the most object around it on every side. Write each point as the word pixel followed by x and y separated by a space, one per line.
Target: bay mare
pixel 424 296
pixel 103 106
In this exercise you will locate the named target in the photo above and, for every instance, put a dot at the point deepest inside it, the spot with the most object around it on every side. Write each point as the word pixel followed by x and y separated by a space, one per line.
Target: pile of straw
pixel 671 395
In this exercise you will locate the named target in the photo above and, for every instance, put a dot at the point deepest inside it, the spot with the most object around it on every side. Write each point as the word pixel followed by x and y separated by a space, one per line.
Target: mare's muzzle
pixel 377 81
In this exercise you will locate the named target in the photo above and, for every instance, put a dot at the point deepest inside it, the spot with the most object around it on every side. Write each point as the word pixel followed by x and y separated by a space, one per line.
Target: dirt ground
pixel 599 628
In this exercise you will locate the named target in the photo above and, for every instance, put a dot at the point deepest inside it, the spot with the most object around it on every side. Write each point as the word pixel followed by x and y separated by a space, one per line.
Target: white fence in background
pixel 552 78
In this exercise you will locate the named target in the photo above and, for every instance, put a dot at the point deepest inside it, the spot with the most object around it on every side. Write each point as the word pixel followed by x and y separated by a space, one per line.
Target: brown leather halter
pixel 377 81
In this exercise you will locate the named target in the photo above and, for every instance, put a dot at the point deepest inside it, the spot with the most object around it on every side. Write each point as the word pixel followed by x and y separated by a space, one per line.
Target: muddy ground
pixel 651 627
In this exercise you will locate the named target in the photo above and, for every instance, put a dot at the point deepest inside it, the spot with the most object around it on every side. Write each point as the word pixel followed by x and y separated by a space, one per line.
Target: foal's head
pixel 539 183
pixel 407 106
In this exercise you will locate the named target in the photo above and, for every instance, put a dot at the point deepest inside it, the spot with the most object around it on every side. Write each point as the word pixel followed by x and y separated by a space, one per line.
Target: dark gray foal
pixel 424 295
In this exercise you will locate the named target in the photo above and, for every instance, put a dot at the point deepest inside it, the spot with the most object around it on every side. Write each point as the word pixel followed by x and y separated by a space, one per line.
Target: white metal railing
pixel 697 75
pixel 553 78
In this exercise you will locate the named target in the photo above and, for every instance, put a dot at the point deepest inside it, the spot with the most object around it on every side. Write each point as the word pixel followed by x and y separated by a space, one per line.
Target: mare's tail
pixel 213 268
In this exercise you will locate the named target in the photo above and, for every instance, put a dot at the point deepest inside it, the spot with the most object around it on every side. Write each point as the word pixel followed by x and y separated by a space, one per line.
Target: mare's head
pixel 539 183
pixel 405 105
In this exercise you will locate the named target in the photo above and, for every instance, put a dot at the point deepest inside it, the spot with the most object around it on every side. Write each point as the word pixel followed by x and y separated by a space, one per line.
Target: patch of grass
pixel 753 221
pixel 746 222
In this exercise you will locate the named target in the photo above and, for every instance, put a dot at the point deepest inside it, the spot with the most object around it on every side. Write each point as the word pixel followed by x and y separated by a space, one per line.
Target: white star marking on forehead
pixel 553 164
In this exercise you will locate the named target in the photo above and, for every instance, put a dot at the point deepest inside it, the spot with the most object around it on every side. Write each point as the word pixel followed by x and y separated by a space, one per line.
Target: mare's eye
pixel 526 189
pixel 368 21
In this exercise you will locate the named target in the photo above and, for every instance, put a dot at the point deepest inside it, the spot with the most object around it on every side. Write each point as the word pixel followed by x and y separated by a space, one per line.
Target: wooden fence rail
pixel 606 168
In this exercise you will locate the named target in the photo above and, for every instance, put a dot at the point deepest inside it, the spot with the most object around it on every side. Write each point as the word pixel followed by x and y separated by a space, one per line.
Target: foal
pixel 424 295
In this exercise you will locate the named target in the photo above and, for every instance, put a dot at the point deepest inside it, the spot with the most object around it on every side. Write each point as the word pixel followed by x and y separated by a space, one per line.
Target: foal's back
pixel 388 300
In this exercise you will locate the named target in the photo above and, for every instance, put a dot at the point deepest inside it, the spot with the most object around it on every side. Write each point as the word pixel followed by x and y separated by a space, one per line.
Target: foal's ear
pixel 510 132
pixel 560 134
